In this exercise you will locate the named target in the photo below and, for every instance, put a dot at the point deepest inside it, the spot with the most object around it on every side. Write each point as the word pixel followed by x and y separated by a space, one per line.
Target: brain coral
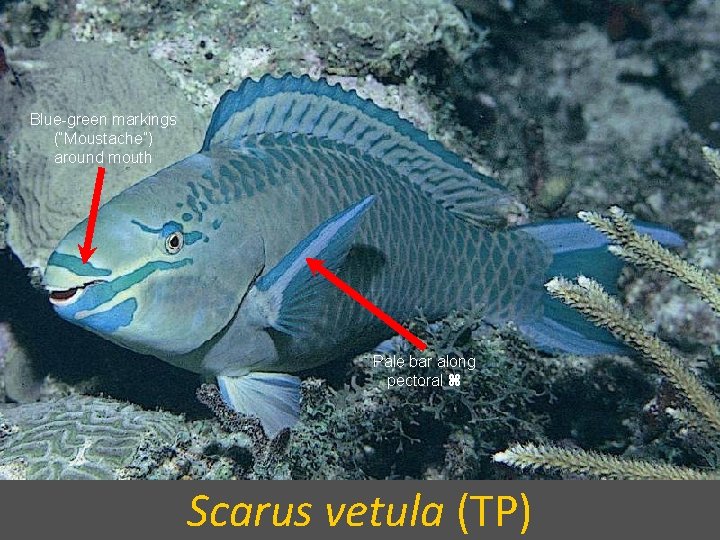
pixel 78 437
pixel 44 200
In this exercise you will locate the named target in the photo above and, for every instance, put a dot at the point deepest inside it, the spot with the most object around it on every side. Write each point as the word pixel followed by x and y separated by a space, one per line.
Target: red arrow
pixel 87 251
pixel 317 266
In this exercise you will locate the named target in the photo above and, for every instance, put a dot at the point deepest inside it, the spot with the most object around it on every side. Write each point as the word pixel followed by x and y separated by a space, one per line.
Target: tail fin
pixel 578 249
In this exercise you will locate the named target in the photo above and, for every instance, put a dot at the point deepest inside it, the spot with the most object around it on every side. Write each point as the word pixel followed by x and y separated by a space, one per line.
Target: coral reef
pixel 44 200
pixel 575 106
pixel 596 128
pixel 78 437
pixel 34 22
pixel 701 413
pixel 208 46
pixel 202 450
pixel 367 430
pixel 387 39
pixel 552 64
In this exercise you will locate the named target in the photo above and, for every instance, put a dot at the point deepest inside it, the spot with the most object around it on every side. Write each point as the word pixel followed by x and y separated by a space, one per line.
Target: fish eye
pixel 174 242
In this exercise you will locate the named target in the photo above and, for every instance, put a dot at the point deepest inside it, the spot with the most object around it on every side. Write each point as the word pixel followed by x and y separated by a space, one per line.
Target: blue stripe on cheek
pixel 173 226
pixel 167 229
pixel 145 228
pixel 75 265
pixel 112 319
pixel 100 293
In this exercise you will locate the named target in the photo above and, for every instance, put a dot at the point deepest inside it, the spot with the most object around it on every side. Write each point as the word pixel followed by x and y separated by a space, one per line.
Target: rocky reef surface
pixel 572 105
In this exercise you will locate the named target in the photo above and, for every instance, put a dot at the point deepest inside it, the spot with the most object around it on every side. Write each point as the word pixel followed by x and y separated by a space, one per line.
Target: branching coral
pixel 641 250
pixel 549 456
pixel 588 297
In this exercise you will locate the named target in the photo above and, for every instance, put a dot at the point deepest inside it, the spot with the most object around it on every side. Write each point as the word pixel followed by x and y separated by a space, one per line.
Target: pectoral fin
pixel 272 397
pixel 287 296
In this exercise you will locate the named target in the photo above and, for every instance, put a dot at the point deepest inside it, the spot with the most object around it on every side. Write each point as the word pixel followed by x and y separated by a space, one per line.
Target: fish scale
pixel 203 264
pixel 433 240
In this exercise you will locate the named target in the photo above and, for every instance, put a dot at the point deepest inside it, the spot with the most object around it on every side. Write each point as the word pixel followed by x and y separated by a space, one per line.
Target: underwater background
pixel 573 105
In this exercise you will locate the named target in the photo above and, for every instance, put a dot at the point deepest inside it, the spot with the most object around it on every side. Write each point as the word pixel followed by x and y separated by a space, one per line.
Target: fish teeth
pixel 63 297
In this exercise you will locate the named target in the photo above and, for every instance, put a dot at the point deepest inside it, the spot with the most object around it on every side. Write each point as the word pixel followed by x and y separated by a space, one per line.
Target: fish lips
pixel 65 297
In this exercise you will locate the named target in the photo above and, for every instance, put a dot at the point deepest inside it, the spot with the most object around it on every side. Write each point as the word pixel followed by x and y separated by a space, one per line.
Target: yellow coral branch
pixel 554 458
pixel 588 297
pixel 642 250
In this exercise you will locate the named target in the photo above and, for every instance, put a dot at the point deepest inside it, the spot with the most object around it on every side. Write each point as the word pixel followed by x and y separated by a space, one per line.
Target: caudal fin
pixel 578 249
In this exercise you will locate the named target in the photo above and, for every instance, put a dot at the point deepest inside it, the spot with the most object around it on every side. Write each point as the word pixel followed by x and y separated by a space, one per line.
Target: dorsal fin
pixel 300 105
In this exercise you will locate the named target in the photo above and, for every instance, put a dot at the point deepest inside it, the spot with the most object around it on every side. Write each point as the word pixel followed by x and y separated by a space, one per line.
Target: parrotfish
pixel 203 264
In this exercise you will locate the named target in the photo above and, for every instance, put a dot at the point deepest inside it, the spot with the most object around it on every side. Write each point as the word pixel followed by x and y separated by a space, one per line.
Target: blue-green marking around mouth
pixel 76 266
pixel 101 293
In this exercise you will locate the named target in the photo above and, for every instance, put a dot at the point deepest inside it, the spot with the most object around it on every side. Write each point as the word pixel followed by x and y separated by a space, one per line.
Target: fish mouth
pixel 63 297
